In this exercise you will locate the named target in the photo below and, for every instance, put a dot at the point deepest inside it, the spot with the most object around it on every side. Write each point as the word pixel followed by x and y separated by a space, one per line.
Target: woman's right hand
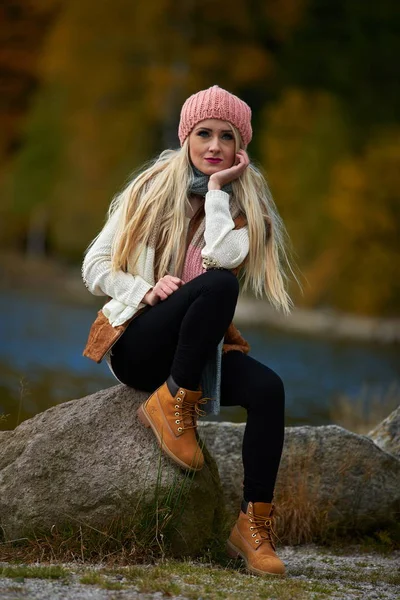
pixel 164 287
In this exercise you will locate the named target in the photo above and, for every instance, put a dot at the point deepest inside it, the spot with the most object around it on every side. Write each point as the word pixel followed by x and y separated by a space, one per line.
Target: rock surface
pixel 91 461
pixel 4 435
pixel 328 477
pixel 386 435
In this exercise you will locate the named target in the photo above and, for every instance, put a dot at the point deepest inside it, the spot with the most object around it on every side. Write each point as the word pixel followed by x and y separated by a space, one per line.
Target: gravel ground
pixel 354 575
pixel 35 589
pixel 312 573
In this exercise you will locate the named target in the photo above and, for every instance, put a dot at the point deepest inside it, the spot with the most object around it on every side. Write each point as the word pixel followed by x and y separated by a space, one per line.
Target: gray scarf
pixel 199 183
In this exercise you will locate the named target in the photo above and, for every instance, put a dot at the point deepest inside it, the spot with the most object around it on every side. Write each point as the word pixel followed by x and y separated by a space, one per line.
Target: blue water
pixel 41 342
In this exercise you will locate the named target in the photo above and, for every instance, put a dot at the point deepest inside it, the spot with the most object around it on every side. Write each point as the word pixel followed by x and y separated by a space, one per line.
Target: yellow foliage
pixel 364 205
pixel 285 14
pixel 298 156
pixel 250 64
pixel 342 210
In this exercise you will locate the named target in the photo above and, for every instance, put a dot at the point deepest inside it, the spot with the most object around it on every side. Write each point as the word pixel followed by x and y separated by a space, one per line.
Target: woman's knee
pixel 221 280
pixel 267 391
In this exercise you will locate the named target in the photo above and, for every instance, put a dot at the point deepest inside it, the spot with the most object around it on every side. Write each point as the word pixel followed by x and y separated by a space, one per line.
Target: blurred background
pixel 90 90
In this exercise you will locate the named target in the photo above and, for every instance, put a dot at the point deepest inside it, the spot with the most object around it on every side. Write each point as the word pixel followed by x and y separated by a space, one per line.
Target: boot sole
pixel 147 422
pixel 234 552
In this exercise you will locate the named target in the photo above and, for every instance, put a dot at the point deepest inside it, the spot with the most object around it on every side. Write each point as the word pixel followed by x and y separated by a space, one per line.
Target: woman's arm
pixel 226 247
pixel 99 277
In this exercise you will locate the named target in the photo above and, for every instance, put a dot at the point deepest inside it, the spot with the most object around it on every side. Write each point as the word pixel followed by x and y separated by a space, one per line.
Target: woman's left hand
pixel 221 178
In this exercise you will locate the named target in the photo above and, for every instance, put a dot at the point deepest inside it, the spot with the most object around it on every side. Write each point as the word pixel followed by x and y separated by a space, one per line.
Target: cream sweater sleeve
pixel 226 247
pixel 99 278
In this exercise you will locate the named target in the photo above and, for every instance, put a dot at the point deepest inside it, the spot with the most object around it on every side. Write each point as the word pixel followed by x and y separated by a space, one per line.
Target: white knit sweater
pixel 224 247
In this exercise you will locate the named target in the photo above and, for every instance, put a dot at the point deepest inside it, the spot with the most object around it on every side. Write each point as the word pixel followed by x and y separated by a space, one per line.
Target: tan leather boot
pixel 251 539
pixel 173 420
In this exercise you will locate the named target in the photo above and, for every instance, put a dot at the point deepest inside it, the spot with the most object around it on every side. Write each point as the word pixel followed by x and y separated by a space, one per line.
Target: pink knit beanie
pixel 215 103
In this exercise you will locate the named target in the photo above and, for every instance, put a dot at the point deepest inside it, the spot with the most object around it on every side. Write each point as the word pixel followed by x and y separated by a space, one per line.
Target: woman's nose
pixel 214 144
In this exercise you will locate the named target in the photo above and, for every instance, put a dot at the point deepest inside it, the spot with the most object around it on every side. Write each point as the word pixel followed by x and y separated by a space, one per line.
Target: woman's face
pixel 212 146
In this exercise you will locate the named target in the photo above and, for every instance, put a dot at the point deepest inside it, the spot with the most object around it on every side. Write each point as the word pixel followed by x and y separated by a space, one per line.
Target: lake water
pixel 41 362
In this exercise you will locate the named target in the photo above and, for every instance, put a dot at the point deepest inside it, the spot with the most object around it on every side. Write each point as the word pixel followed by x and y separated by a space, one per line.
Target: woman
pixel 176 239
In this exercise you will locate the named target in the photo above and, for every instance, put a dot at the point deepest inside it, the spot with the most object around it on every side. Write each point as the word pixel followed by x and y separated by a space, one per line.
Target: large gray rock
pixel 90 461
pixel 386 435
pixel 4 435
pixel 328 478
pixel 224 441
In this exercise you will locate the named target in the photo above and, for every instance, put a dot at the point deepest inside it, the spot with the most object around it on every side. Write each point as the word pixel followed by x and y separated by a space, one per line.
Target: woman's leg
pixel 170 342
pixel 176 335
pixel 248 383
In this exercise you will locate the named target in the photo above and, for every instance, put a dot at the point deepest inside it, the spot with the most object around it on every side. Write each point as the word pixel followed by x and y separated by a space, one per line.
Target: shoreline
pixel 319 322
pixel 64 282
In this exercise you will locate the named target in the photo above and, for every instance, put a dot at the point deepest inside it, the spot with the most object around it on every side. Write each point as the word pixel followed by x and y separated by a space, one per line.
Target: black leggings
pixel 176 336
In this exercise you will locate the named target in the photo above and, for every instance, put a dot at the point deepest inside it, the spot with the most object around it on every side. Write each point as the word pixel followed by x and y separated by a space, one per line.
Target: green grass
pixel 38 572
pixel 195 580
pixel 216 583
pixel 99 580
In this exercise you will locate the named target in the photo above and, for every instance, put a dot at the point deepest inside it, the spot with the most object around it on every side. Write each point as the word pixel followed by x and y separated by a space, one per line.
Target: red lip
pixel 214 161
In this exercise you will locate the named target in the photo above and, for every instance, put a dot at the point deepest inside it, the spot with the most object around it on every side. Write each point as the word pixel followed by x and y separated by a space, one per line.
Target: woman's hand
pixel 164 287
pixel 221 178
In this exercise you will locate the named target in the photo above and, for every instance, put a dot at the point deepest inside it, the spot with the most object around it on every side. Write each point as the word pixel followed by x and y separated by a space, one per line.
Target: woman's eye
pixel 225 136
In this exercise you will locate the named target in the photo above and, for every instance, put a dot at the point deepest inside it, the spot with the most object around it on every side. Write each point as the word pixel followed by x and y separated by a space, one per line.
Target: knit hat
pixel 215 103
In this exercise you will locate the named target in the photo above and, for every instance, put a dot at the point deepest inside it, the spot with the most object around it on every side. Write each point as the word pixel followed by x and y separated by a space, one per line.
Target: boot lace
pixel 191 412
pixel 263 529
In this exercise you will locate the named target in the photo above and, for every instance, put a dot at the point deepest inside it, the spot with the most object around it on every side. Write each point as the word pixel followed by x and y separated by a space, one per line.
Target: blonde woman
pixel 176 240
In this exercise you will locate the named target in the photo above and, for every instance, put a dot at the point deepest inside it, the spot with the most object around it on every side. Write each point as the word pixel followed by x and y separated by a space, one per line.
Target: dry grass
pixel 363 413
pixel 300 517
pixel 119 543
pixel 305 512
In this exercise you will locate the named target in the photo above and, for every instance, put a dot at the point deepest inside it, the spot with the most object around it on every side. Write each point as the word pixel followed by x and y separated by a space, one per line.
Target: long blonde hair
pixel 159 195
